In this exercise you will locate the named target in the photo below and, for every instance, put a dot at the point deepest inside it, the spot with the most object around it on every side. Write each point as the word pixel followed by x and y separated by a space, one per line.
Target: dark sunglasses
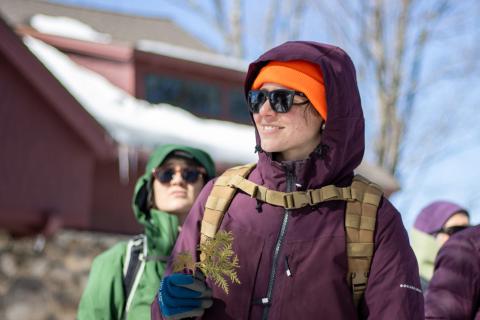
pixel 281 100
pixel 165 175
pixel 451 230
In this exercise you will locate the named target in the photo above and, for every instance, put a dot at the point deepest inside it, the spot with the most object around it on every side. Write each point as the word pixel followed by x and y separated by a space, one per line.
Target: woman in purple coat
pixel 433 226
pixel 454 291
pixel 304 101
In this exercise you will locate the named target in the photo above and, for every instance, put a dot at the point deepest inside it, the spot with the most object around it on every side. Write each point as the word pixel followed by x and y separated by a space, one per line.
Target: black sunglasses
pixel 281 100
pixel 165 175
pixel 451 230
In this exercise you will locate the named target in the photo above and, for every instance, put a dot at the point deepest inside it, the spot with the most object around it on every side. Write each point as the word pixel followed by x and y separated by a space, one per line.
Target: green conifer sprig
pixel 183 261
pixel 220 261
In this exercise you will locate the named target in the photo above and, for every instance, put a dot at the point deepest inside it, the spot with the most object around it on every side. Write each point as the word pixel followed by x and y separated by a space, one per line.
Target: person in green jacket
pixel 123 280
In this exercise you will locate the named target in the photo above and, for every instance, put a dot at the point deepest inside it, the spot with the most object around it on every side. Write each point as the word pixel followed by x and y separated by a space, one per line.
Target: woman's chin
pixel 270 148
pixel 177 208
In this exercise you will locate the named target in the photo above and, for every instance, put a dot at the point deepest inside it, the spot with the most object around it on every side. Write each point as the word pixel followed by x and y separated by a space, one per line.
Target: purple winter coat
pixel 310 242
pixel 454 291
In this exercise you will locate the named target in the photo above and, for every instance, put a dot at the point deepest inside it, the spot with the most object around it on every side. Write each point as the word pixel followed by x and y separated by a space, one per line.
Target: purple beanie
pixel 433 217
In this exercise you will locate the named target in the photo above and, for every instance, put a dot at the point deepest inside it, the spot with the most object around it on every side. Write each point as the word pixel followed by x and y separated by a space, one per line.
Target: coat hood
pixel 342 144
pixel 143 185
pixel 433 217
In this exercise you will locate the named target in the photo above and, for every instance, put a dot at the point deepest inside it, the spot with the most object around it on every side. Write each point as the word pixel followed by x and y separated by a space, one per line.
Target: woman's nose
pixel 177 178
pixel 266 109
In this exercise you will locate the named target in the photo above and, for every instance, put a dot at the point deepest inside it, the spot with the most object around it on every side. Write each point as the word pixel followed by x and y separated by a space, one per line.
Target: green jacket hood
pixel 143 185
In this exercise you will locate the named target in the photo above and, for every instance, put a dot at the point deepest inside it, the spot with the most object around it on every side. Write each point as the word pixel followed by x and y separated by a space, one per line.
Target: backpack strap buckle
pixel 297 200
pixel 359 284
pixel 359 281
pixel 288 201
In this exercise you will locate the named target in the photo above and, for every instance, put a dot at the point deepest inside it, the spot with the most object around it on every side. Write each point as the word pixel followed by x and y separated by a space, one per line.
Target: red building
pixel 59 166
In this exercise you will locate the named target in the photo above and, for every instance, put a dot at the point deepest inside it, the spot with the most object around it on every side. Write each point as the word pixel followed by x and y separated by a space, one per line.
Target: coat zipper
pixel 268 299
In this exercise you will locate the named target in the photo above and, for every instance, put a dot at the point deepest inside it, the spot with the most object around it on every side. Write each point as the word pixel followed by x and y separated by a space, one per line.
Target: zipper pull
pixel 287 268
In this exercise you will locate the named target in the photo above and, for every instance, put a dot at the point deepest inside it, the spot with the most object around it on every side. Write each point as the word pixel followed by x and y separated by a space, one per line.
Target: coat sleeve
pixel 453 292
pixel 187 240
pixel 393 288
pixel 103 297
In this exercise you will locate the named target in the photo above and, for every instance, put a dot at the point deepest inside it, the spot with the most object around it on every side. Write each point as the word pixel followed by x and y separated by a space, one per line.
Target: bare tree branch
pixel 235 38
pixel 219 14
pixel 420 42
pixel 270 21
pixel 397 124
pixel 380 67
pixel 297 19
pixel 364 31
pixel 231 30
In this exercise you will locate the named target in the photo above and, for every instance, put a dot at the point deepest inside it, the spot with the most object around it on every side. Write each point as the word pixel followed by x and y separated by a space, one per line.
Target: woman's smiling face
pixel 292 135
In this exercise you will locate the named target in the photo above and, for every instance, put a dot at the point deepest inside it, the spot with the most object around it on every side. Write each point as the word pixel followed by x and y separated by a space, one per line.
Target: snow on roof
pixel 75 29
pixel 135 122
pixel 213 59
pixel 68 27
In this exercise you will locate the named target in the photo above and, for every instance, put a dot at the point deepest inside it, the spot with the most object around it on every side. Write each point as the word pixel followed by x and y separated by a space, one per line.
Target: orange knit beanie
pixel 299 75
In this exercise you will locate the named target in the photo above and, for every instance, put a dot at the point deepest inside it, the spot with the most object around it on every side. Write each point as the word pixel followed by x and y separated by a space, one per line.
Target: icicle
pixel 123 163
pixel 133 160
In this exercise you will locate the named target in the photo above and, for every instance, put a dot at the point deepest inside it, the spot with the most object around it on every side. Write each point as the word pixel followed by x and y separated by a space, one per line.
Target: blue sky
pixel 454 176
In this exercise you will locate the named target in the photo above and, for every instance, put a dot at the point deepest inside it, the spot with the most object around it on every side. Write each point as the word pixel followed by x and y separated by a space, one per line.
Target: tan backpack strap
pixel 360 217
pixel 288 200
pixel 218 202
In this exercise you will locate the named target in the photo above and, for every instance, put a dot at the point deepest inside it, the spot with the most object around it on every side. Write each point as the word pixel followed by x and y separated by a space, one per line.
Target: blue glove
pixel 183 296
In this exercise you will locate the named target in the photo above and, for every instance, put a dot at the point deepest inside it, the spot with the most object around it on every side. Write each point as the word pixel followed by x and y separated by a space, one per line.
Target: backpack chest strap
pixel 290 200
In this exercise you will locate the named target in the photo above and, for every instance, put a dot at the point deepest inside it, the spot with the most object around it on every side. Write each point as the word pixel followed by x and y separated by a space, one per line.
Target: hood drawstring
pixel 260 203
pixel 258 149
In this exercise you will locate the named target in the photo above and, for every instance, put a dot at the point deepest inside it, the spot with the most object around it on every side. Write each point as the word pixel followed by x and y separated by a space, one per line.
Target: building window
pixel 197 97
pixel 238 106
